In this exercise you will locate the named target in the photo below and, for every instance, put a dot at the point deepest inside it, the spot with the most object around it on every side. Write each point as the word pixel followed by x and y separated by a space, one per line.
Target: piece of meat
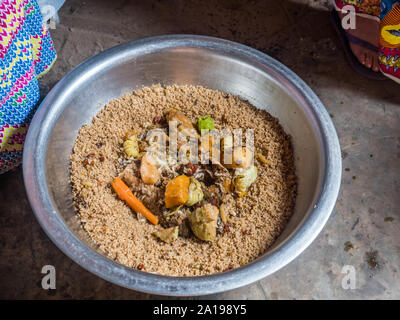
pixel 183 122
pixel 130 179
pixel 130 175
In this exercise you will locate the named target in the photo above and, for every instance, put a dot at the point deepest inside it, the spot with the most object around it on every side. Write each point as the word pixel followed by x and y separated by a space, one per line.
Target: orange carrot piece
pixel 124 193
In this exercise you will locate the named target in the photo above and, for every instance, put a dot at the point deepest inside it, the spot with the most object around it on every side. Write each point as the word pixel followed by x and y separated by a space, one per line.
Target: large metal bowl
pixel 181 59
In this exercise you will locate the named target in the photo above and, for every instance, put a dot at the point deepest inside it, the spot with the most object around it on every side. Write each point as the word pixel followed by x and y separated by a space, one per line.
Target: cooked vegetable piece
pixel 223 213
pixel 130 145
pixel 167 235
pixel 203 222
pixel 243 178
pixel 195 193
pixel 125 194
pixel 205 123
pixel 177 191
pixel 241 157
pixel 148 170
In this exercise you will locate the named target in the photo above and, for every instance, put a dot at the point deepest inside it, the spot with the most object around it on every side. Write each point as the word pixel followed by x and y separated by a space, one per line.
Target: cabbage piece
pixel 243 178
pixel 203 222
pixel 195 192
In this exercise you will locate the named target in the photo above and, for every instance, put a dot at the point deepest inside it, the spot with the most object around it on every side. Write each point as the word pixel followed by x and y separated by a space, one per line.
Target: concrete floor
pixel 363 230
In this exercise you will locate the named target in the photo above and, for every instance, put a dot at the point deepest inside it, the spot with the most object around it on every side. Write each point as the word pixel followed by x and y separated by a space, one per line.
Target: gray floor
pixel 363 230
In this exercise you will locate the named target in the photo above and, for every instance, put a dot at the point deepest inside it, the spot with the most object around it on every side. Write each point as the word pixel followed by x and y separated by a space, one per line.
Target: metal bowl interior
pixel 213 63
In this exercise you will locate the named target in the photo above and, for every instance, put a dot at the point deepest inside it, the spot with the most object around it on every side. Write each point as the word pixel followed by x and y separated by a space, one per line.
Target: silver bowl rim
pixel 45 211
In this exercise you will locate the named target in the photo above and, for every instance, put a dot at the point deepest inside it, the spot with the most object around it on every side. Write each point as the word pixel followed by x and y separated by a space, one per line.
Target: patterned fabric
pixel 389 40
pixel 386 6
pixel 389 31
pixel 26 53
pixel 372 7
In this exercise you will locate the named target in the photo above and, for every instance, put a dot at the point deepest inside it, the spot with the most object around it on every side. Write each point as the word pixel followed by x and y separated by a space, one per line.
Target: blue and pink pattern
pixel 26 53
